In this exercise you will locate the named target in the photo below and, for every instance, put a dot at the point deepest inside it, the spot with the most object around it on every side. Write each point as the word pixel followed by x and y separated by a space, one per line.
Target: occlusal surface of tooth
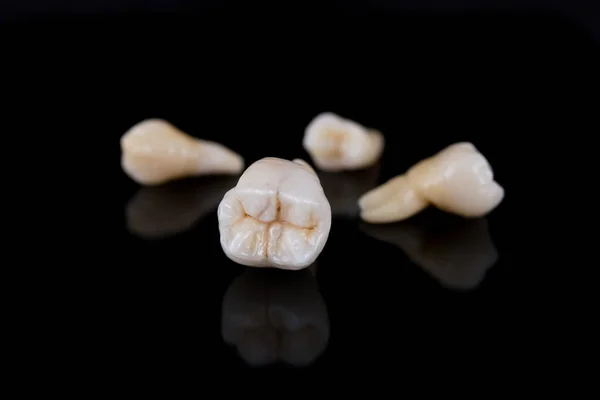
pixel 457 180
pixel 336 144
pixel 276 216
pixel 154 152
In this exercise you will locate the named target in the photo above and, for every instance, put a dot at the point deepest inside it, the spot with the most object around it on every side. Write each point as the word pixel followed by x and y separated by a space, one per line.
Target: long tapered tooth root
pixel 155 152
pixel 394 200
pixel 337 144
pixel 276 216
pixel 457 180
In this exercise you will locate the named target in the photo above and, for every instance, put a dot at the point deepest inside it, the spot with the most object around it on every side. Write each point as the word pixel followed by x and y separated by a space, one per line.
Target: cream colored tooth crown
pixel 457 180
pixel 337 144
pixel 155 152
pixel 276 216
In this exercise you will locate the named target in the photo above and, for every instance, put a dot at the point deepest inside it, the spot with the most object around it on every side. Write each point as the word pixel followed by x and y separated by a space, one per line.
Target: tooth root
pixel 393 201
pixel 155 152
pixel 336 144
pixel 214 158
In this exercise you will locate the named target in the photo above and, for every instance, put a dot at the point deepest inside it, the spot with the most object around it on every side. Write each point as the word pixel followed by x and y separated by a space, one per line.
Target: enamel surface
pixel 272 316
pixel 276 216
pixel 155 152
pixel 457 180
pixel 457 256
pixel 337 144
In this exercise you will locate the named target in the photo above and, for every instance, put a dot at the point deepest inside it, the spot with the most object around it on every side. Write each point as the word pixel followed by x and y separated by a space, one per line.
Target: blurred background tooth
pixel 155 152
pixel 336 144
pixel 457 180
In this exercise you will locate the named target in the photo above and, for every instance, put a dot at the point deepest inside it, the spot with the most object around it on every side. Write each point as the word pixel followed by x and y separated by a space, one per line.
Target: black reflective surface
pixel 433 285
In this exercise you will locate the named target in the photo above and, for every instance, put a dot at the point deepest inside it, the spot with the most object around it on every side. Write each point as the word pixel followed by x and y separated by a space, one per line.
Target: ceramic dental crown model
pixel 276 216
pixel 457 180
pixel 337 144
pixel 155 152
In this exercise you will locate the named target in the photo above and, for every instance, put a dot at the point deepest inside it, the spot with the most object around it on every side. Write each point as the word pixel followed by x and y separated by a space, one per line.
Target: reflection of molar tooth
pixel 337 144
pixel 276 216
pixel 457 256
pixel 155 152
pixel 272 315
pixel 457 180
pixel 343 189
pixel 160 211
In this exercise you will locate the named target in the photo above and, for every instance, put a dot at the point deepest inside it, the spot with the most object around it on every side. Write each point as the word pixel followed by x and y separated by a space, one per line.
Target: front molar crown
pixel 457 180
pixel 338 144
pixel 276 216
pixel 155 152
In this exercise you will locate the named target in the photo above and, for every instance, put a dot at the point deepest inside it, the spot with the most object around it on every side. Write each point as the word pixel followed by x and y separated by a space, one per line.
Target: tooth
pixel 274 315
pixel 276 216
pixel 457 180
pixel 337 144
pixel 160 211
pixel 154 152
pixel 457 256
pixel 343 189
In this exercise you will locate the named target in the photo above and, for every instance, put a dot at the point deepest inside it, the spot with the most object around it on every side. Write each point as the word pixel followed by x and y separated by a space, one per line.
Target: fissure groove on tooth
pixel 276 216
pixel 457 180
pixel 155 152
pixel 337 144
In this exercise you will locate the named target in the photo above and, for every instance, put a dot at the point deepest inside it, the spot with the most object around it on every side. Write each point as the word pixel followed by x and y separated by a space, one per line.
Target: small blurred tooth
pixel 336 144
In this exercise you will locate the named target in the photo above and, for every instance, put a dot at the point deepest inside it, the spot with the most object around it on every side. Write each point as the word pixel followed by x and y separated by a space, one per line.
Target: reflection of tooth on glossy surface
pixel 272 315
pixel 343 189
pixel 457 180
pixel 457 256
pixel 276 216
pixel 159 211
pixel 337 144
pixel 155 152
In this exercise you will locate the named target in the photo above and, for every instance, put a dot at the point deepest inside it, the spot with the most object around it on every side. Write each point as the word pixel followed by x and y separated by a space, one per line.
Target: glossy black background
pixel 252 82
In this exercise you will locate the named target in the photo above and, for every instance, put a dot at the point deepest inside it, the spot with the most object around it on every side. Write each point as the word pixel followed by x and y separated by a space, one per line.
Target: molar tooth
pixel 276 216
pixel 337 144
pixel 457 180
pixel 155 152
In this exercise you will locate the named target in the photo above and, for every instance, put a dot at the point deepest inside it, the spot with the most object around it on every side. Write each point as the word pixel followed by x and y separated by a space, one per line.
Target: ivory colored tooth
pixel 457 255
pixel 272 316
pixel 457 180
pixel 335 143
pixel 276 216
pixel 155 152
